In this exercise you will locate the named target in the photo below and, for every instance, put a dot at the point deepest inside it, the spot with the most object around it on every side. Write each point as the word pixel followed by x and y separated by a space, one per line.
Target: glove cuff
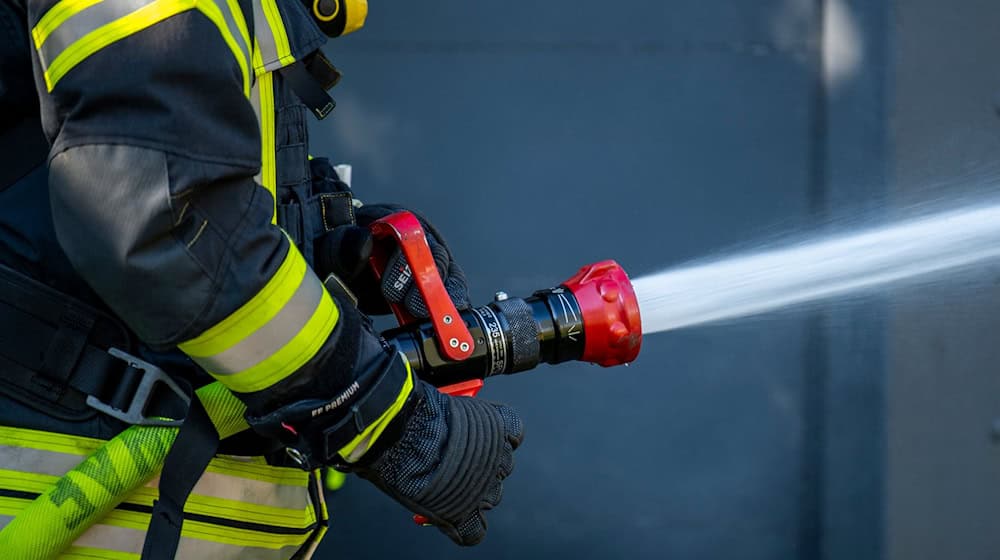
pixel 359 421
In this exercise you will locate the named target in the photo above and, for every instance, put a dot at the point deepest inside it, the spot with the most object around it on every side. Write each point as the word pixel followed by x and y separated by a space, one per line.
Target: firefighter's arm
pixel 155 146
pixel 154 150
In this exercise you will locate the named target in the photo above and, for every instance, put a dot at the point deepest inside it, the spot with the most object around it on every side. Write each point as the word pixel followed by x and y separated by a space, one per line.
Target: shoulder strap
pixel 196 444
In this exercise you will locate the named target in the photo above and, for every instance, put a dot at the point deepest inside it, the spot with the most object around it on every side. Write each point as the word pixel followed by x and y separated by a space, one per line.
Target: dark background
pixel 544 136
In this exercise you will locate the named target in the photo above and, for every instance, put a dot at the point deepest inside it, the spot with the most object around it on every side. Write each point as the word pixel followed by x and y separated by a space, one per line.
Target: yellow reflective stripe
pixel 207 531
pixel 250 512
pixel 26 481
pixel 357 447
pixel 48 441
pixel 83 22
pixel 249 509
pixel 12 506
pixel 259 472
pixel 207 550
pixel 293 355
pixel 272 335
pixel 89 553
pixel 117 30
pixel 255 313
pixel 357 13
pixel 108 22
pixel 262 99
pixel 273 45
pixel 222 491
pixel 241 25
pixel 214 13
pixel 125 531
pixel 55 17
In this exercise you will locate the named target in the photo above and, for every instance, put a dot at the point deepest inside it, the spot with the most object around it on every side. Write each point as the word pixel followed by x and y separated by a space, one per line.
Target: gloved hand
pixel 441 457
pixel 345 252
pixel 450 462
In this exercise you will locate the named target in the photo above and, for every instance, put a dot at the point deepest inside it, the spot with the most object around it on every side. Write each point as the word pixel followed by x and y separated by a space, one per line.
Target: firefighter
pixel 163 229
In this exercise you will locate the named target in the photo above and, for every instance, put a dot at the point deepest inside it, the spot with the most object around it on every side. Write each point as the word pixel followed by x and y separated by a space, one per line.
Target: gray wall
pixel 943 491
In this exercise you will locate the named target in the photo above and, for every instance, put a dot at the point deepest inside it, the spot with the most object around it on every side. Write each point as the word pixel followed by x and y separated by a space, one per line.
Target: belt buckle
pixel 135 414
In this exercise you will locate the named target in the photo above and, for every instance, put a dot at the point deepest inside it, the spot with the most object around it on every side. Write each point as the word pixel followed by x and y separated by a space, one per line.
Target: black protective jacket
pixel 175 149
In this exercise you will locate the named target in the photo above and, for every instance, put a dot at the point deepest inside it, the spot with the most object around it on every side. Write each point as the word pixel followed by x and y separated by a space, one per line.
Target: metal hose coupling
pixel 591 317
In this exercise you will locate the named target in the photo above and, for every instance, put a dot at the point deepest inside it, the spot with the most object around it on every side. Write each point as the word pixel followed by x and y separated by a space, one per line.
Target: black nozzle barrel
pixel 510 336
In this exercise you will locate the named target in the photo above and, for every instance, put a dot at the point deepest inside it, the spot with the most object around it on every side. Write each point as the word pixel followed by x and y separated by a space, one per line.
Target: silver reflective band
pixel 25 459
pixel 122 539
pixel 265 38
pixel 273 335
pixel 92 18
pixel 255 103
pixel 234 30
pixel 82 23
pixel 119 540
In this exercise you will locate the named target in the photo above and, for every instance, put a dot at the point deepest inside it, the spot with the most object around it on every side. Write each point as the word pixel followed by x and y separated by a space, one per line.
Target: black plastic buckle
pixel 135 414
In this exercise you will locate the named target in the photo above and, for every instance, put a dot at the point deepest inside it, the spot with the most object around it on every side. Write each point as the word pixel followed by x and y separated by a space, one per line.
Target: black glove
pixel 345 252
pixel 441 457
pixel 450 462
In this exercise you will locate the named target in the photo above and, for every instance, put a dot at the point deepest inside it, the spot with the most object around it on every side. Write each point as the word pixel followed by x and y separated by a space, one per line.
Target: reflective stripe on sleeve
pixel 273 334
pixel 353 451
pixel 262 99
pixel 272 39
pixel 73 30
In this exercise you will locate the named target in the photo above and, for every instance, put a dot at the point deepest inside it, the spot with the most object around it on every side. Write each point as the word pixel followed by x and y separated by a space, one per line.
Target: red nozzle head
pixel 611 322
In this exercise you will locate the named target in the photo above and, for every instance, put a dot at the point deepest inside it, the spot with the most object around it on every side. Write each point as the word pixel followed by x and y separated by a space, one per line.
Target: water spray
pixel 834 266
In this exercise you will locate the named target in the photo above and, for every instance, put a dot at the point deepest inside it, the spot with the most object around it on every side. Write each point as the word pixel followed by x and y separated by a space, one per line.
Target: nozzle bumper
pixel 611 320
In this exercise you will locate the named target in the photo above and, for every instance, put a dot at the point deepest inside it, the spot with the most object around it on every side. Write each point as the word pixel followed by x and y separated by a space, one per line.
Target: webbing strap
pixel 196 444
pixel 308 90
pixel 310 79
pixel 52 349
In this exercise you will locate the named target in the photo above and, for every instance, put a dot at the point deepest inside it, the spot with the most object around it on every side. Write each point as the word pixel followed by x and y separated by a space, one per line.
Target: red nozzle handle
pixel 404 229
pixel 453 336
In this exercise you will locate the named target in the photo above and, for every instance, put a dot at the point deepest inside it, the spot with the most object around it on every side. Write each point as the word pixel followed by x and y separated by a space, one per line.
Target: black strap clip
pixel 310 79
pixel 145 391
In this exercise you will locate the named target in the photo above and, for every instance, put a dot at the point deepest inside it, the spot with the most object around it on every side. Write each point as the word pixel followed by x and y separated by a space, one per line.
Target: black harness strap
pixel 196 444
pixel 53 350
pixel 310 78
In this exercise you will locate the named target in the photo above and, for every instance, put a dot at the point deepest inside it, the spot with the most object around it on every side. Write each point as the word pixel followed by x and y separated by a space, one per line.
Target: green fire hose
pixel 78 500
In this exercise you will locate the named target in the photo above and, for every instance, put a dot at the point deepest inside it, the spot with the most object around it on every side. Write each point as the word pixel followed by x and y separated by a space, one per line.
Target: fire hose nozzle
pixel 592 317
pixel 611 321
